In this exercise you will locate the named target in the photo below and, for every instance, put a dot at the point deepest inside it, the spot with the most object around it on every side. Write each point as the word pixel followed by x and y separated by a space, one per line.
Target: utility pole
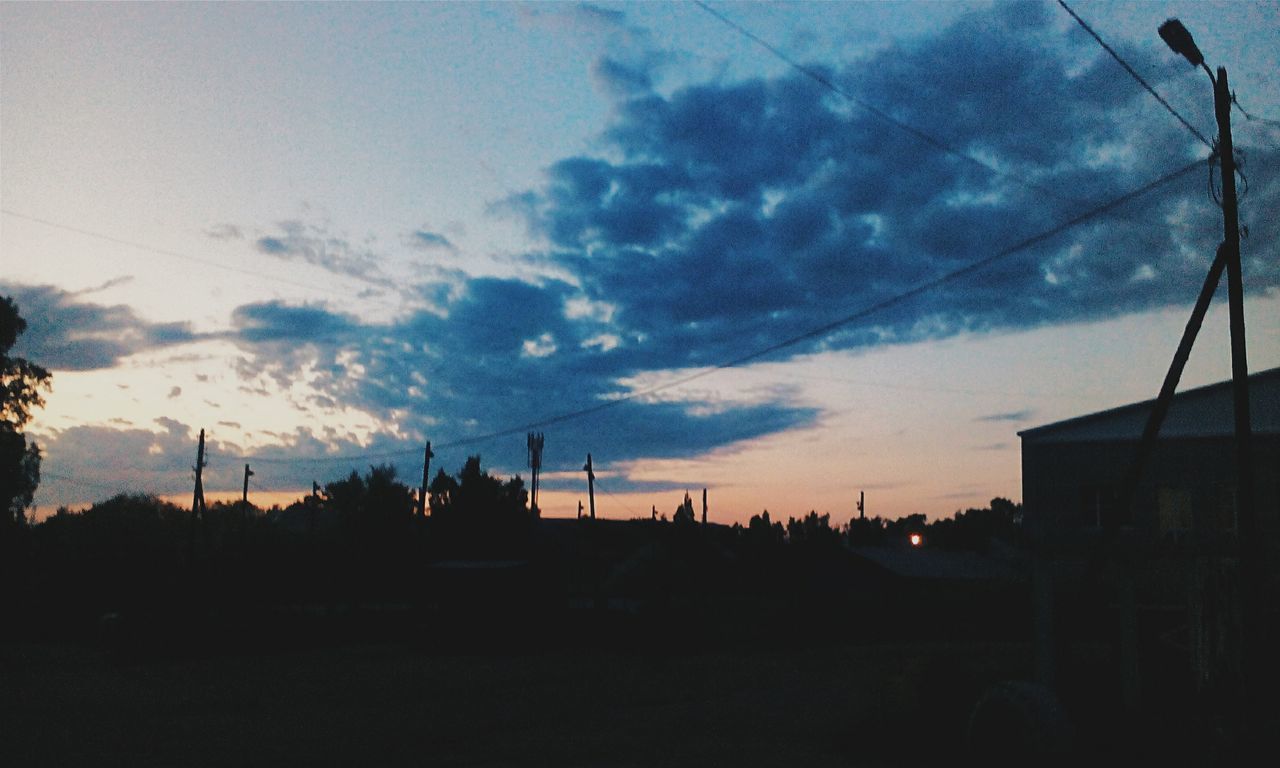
pixel 862 506
pixel 704 506
pixel 1222 599
pixel 197 498
pixel 1179 39
pixel 535 469
pixel 579 509
pixel 591 485
pixel 1235 303
pixel 426 470
pixel 244 496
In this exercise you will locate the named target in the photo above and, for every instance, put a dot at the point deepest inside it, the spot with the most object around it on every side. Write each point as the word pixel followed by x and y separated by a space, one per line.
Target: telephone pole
pixel 244 496
pixel 591 486
pixel 704 506
pixel 535 469
pixel 197 498
pixel 426 469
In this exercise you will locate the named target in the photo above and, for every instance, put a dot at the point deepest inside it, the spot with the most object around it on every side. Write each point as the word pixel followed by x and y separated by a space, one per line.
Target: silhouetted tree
pixel 761 531
pixel 478 515
pixel 812 529
pixel 21 383
pixel 975 528
pixel 865 531
pixel 684 513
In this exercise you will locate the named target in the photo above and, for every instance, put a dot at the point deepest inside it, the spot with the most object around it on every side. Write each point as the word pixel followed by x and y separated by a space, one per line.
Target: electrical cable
pixel 1253 118
pixel 164 252
pixel 815 332
pixel 615 498
pixel 902 125
pixel 1133 73
pixel 757 354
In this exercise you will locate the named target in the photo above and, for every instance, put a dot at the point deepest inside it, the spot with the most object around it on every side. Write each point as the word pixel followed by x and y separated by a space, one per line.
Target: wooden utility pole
pixel 704 506
pixel 244 496
pixel 591 486
pixel 535 469
pixel 426 469
pixel 197 498
pixel 1248 524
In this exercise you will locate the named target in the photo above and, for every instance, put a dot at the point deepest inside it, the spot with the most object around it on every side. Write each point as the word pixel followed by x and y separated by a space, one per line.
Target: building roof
pixel 1201 412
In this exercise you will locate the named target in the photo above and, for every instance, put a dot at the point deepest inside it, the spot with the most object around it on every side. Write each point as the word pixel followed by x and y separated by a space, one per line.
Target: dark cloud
pixel 64 333
pixel 619 78
pixel 314 245
pixel 423 239
pixel 1010 416
pixel 720 218
pixel 725 217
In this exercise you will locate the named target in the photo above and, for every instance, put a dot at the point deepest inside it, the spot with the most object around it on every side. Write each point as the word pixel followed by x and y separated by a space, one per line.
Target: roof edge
pixel 1145 404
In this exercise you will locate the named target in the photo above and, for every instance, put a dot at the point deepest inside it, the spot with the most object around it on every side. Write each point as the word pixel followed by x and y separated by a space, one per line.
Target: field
pixel 392 704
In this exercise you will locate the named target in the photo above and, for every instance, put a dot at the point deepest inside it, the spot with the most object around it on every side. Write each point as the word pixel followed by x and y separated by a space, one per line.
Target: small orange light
pixel 916 539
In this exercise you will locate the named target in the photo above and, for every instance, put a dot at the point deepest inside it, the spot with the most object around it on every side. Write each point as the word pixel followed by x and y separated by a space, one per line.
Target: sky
pixel 710 245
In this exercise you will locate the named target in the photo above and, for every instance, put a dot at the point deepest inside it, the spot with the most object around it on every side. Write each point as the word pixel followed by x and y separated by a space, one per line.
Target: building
pixel 1160 581
pixel 1072 470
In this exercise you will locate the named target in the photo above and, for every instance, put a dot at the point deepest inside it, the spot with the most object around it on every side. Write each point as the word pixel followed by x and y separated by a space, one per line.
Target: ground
pixel 394 704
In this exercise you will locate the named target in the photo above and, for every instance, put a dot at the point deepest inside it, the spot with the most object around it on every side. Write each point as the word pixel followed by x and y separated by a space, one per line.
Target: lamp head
pixel 1179 40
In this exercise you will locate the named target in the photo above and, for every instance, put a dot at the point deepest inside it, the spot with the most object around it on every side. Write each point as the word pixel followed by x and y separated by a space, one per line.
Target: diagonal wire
pixel 772 348
pixel 845 320
pixel 163 251
pixel 826 82
pixel 1194 131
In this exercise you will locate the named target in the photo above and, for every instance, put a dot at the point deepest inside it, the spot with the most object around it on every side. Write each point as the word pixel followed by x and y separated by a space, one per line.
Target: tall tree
pixel 21 387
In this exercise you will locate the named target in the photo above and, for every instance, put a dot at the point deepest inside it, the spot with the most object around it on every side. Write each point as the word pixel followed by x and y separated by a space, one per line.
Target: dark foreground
pixel 388 704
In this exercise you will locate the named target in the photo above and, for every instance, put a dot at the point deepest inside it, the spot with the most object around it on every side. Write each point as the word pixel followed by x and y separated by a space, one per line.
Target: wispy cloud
pixel 1007 416
pixel 64 333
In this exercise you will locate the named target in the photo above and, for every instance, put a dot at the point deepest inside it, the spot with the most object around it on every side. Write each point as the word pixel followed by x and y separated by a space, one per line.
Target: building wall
pixel 1070 488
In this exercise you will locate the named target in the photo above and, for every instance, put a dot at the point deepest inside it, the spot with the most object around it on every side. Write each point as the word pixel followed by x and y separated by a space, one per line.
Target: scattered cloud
pixel 64 333
pixel 422 238
pixel 225 232
pixel 1009 416
pixel 313 244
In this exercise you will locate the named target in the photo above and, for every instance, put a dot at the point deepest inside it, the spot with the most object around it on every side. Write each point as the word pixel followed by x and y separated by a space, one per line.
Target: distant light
pixel 915 539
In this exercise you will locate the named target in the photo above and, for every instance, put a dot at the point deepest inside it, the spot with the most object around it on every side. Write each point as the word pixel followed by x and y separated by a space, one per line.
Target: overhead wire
pixel 1134 74
pixel 615 498
pixel 813 333
pixel 918 133
pixel 163 251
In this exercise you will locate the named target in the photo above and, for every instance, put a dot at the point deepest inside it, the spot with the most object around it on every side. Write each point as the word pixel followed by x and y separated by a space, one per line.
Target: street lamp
pixel 1180 41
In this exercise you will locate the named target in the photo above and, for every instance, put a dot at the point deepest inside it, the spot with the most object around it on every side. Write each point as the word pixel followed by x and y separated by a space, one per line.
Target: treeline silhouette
pixel 481 570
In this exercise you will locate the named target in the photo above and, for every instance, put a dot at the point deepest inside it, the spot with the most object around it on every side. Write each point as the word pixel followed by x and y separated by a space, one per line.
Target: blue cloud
pixel 64 333
pixel 424 239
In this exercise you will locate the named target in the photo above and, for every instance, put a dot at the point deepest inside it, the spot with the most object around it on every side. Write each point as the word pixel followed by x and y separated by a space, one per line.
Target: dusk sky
pixel 326 233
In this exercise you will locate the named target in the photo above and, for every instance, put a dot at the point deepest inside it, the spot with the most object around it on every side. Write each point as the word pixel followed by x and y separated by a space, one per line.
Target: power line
pixel 615 498
pixel 163 251
pixel 1137 76
pixel 760 353
pixel 843 321
pixel 920 134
